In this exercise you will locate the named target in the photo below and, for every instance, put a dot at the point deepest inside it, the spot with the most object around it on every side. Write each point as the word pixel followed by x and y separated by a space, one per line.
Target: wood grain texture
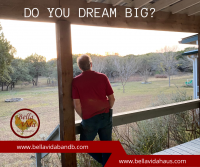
pixel 193 147
pixel 189 148
pixel 172 152
pixel 65 76
pixel 162 153
pixel 153 112
pixel 180 151
pixel 140 3
pixel 191 10
pixel 159 5
pixel 163 21
pixel 181 6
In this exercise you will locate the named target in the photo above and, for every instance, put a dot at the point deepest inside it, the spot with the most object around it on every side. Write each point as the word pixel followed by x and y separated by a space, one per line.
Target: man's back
pixel 92 88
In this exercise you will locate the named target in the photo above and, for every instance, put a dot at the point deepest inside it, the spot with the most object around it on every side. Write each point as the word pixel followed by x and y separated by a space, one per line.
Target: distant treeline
pixel 167 61
pixel 29 69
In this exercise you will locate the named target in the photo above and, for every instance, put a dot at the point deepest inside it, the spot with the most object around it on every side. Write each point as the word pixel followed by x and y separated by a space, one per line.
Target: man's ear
pixel 91 64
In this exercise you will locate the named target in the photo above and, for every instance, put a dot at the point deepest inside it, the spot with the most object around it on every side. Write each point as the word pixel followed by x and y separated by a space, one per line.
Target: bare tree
pixel 146 66
pixel 98 63
pixel 126 67
pixel 168 60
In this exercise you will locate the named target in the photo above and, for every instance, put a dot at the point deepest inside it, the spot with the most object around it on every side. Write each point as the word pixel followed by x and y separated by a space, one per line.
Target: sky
pixel 36 37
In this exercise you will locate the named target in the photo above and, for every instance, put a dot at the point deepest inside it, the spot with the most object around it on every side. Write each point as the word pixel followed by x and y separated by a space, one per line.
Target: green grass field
pixel 44 101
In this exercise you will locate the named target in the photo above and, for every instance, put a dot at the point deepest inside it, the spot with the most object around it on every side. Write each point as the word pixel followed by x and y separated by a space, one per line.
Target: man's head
pixel 84 62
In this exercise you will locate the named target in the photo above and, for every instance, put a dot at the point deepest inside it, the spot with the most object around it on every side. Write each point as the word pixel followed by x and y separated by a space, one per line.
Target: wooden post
pixel 38 159
pixel 198 72
pixel 65 76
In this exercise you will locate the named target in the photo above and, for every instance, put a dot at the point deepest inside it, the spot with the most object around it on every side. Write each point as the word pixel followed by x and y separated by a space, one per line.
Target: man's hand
pixel 111 100
pixel 77 106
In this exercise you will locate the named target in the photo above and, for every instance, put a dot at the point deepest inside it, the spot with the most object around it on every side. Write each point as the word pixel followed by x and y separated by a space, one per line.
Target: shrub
pixel 150 136
pixel 160 76
pixel 183 126
pixel 154 135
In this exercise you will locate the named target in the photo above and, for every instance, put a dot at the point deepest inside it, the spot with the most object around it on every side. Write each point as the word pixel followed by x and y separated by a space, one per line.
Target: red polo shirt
pixel 92 88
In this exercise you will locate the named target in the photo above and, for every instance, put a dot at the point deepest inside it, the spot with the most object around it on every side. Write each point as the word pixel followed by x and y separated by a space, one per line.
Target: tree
pixel 51 70
pixel 126 67
pixel 7 52
pixel 20 71
pixel 146 65
pixel 168 60
pixel 110 69
pixel 37 66
pixel 98 63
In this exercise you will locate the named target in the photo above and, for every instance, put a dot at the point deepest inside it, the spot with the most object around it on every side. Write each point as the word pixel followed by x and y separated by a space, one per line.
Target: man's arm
pixel 77 106
pixel 111 100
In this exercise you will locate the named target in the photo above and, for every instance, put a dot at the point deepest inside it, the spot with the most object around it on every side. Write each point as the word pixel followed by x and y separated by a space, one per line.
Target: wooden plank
pixel 192 147
pixel 182 152
pixel 147 113
pixel 55 134
pixel 196 142
pixel 172 152
pixel 192 10
pixel 193 144
pixel 14 9
pixel 162 153
pixel 140 3
pixel 88 1
pixel 153 112
pixel 164 21
pixel 161 20
pixel 117 2
pixel 38 159
pixel 139 115
pixel 159 5
pixel 192 152
pixel 181 6
pixel 65 76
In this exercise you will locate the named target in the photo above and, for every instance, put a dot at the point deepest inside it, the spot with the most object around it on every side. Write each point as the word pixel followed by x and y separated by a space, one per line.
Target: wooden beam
pixel 162 21
pixel 198 71
pixel 88 1
pixel 140 3
pixel 38 159
pixel 139 115
pixel 193 10
pixel 117 2
pixel 14 9
pixel 153 112
pixel 65 76
pixel 181 6
pixel 159 5
pixel 149 113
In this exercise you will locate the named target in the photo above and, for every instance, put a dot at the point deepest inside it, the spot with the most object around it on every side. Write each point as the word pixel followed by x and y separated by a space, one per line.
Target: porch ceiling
pixel 170 15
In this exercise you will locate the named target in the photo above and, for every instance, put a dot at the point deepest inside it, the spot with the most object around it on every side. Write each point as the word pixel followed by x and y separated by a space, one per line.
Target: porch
pixel 188 148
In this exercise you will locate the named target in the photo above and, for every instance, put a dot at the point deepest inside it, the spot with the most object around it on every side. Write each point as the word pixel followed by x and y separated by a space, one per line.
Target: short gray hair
pixel 84 62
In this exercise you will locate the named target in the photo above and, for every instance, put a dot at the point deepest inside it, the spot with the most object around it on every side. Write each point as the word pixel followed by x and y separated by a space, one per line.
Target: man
pixel 93 99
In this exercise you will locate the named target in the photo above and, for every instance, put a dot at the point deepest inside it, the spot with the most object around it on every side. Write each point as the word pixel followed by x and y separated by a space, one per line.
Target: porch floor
pixel 189 148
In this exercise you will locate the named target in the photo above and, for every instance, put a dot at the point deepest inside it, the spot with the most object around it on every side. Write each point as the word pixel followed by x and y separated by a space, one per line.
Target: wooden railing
pixel 129 117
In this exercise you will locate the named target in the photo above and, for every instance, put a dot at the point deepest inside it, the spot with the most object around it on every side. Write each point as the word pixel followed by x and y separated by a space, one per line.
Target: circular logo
pixel 25 123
